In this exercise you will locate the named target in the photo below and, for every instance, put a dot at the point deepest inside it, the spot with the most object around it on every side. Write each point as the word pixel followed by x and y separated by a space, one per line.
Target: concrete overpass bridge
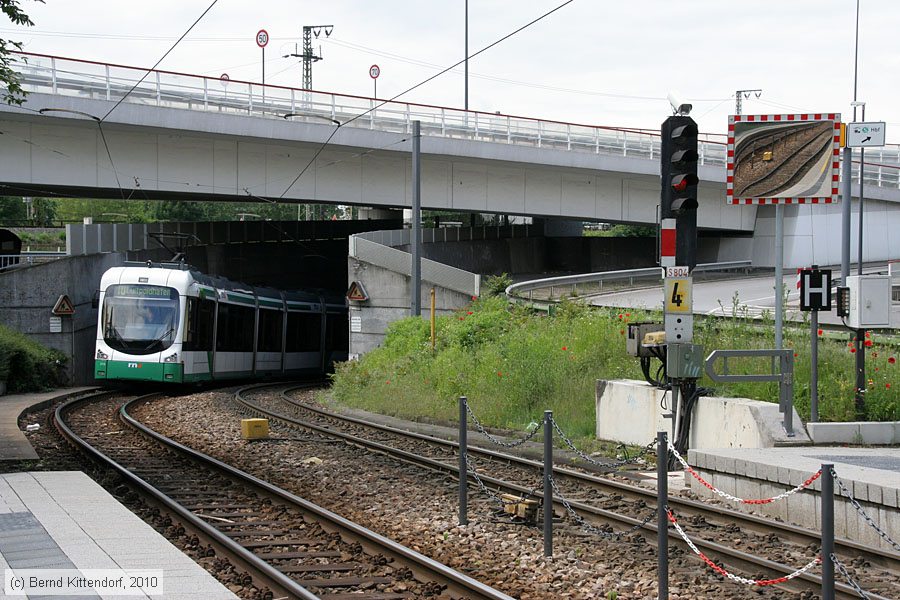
pixel 190 137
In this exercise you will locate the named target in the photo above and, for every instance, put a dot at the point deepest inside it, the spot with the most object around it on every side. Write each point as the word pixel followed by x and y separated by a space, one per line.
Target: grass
pixel 513 364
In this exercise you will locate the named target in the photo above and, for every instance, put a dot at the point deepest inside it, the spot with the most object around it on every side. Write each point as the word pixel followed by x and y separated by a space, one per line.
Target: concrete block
pixel 860 490
pixel 877 433
pixel 740 467
pixel 729 465
pixel 889 497
pixel 833 433
pixel 875 493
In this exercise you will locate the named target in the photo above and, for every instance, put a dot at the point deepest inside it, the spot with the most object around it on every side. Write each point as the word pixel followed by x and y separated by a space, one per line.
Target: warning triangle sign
pixel 63 306
pixel 357 292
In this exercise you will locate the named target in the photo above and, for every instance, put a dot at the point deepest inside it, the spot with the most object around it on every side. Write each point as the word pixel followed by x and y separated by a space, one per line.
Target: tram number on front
pixel 678 295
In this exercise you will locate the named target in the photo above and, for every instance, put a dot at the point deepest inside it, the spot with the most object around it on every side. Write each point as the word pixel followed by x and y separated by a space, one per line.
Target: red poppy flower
pixel 389 382
pixel 868 343
pixel 868 335
pixel 621 332
pixel 877 369
pixel 620 316
pixel 887 386
pixel 820 332
pixel 474 297
pixel 627 314
pixel 499 373
pixel 892 360
pixel 462 318
pixel 852 350
pixel 470 313
pixel 565 348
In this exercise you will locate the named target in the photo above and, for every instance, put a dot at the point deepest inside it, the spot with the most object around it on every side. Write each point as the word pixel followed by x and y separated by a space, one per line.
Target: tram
pixel 168 323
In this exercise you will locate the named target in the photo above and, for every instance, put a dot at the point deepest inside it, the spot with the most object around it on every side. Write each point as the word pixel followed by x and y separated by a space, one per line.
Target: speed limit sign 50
pixel 262 38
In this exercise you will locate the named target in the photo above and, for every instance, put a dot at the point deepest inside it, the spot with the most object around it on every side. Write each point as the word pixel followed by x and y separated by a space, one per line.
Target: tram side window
pixel 269 331
pixel 304 332
pixel 235 328
pixel 337 337
pixel 198 328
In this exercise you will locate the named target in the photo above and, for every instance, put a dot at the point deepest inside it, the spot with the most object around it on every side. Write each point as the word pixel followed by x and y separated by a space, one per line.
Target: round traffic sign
pixel 374 71
pixel 262 38
pixel 224 78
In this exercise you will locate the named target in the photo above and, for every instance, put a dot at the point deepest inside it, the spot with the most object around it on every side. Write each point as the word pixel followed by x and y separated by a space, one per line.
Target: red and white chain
pixel 728 496
pixel 732 576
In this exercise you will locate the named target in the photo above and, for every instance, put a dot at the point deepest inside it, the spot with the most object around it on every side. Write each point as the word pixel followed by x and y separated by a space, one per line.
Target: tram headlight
pixel 101 355
pixel 171 358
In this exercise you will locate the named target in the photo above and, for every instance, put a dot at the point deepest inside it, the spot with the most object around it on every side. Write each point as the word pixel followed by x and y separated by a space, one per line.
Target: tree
pixel 13 94
pixel 11 209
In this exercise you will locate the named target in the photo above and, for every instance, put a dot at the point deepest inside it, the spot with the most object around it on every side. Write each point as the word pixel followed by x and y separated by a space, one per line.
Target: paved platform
pixel 13 443
pixel 871 475
pixel 65 520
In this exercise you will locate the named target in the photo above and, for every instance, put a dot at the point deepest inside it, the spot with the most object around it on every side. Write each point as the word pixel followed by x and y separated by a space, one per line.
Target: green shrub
pixel 27 366
pixel 496 285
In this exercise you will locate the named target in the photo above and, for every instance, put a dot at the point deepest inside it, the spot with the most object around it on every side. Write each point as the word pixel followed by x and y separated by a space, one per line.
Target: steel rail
pixel 459 584
pixel 735 558
pixel 262 573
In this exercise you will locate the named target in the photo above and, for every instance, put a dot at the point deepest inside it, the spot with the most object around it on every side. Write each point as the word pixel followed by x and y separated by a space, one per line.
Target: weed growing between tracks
pixel 513 364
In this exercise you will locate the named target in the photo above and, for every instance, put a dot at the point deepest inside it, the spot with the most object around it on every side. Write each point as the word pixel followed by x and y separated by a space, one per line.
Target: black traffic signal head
pixel 679 166
pixel 678 194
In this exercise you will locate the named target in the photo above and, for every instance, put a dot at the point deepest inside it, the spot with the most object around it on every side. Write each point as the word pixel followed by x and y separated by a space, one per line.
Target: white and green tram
pixel 165 322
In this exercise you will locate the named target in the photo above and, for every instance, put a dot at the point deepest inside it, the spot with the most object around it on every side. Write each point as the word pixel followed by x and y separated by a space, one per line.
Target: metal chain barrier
pixel 490 493
pixel 728 496
pixel 732 576
pixel 609 535
pixel 860 510
pixel 862 593
pixel 499 442
pixel 606 465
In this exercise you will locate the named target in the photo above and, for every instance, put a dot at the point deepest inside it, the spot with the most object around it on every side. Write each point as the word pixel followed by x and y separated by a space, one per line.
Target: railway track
pixel 284 543
pixel 618 505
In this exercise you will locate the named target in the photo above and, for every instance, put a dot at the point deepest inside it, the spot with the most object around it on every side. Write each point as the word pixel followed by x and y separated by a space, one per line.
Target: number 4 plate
pixel 678 295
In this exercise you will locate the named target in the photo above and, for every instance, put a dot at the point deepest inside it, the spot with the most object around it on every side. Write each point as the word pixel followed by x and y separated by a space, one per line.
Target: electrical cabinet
pixel 870 301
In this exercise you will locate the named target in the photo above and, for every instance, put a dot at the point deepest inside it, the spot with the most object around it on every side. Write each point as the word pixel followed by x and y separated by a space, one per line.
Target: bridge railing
pixel 593 283
pixel 103 81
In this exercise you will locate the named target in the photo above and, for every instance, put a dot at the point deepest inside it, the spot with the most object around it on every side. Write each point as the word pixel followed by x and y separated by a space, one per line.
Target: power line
pixel 418 85
pixel 172 47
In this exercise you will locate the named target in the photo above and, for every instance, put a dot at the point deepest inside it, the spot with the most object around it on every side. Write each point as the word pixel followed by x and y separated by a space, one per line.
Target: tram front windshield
pixel 140 319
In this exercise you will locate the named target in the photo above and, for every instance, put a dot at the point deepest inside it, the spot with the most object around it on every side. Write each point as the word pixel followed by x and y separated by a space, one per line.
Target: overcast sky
pixel 593 61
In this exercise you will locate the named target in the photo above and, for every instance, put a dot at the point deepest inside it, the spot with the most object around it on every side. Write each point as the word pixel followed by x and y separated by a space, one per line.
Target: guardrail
pixel 28 258
pixel 571 282
pixel 105 81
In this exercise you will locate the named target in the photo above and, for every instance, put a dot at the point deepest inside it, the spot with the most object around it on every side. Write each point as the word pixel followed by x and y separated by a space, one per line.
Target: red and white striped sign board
pixel 667 243
pixel 783 159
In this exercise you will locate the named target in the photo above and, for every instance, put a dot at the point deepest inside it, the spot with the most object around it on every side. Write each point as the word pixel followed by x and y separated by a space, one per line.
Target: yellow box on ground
pixel 254 429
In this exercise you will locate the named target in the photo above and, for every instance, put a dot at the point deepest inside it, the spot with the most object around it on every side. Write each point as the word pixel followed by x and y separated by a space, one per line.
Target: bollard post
pixel 662 519
pixel 548 488
pixel 827 533
pixel 463 465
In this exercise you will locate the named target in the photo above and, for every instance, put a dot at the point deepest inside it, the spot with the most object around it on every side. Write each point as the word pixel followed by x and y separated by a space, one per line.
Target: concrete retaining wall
pixel 28 294
pixel 389 293
pixel 630 412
